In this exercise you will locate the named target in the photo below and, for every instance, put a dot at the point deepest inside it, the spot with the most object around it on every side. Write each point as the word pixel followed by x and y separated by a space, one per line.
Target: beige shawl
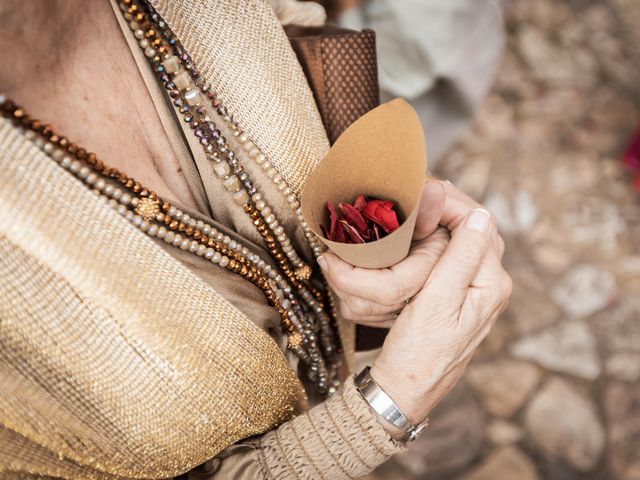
pixel 115 359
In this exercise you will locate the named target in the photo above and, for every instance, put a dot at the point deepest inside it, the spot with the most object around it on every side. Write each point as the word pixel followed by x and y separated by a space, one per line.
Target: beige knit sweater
pixel 123 358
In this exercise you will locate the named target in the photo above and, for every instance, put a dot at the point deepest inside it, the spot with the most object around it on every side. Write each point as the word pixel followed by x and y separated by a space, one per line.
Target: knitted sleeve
pixel 339 438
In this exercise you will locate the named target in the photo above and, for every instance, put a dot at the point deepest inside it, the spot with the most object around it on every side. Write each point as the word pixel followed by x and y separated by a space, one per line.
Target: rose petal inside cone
pixel 382 155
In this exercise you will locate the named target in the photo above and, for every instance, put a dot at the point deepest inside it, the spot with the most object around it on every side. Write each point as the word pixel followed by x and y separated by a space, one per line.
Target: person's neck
pixel 68 64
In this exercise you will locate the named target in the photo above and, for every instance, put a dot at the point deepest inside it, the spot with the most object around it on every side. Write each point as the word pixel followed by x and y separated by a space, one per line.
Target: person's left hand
pixel 375 297
pixel 372 297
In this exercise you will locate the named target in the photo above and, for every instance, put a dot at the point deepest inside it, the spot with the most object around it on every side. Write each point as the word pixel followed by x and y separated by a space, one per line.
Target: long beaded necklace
pixel 194 100
pixel 301 308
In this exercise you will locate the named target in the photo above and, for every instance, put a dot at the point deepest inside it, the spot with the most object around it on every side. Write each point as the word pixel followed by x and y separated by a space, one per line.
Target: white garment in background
pixel 441 55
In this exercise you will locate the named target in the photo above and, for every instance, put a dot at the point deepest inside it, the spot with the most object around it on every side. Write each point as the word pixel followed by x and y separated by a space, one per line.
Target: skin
pixel 92 94
pixel 457 288
pixel 56 66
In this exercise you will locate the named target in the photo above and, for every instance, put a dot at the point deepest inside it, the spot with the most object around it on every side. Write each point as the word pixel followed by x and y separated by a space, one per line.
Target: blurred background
pixel 554 392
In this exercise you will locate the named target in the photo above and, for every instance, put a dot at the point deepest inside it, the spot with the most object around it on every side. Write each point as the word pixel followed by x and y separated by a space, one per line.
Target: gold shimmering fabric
pixel 107 369
pixel 242 50
pixel 116 360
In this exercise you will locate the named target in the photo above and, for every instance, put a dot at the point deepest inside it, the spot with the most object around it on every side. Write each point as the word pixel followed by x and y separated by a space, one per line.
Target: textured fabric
pixel 204 183
pixel 299 13
pixel 340 65
pixel 242 50
pixel 125 363
pixel 335 440
pixel 116 369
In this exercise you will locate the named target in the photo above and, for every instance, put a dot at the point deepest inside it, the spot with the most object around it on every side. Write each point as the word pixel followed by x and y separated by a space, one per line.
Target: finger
pixel 363 308
pixel 430 210
pixel 371 320
pixel 459 263
pixel 457 206
pixel 414 270
pixel 382 284
pixel 488 288
pixel 500 247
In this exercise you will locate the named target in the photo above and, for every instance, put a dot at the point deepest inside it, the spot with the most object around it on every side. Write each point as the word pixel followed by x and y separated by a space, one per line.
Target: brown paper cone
pixel 382 155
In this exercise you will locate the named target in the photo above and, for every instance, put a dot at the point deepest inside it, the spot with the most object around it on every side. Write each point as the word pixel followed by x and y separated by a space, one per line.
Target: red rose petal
pixel 333 218
pixel 340 235
pixel 376 231
pixel 360 202
pixel 351 232
pixel 353 216
pixel 382 213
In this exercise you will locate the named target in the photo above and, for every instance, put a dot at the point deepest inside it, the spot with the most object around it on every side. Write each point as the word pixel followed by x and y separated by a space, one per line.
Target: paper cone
pixel 382 155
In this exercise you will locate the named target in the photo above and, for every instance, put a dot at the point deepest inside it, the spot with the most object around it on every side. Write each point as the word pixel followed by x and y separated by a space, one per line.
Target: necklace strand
pixel 178 229
pixel 185 86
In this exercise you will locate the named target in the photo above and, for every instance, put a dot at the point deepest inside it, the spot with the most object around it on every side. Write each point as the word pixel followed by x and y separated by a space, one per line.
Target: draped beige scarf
pixel 116 361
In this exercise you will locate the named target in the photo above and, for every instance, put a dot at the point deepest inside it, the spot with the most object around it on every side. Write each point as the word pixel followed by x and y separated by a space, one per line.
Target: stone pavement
pixel 554 392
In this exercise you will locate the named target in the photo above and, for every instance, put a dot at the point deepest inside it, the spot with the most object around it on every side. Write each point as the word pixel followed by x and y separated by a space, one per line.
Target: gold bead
pixel 303 272
pixel 148 208
pixel 294 341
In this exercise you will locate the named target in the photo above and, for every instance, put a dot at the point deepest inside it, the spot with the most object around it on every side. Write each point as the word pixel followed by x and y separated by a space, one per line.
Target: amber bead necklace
pixel 193 100
pixel 160 219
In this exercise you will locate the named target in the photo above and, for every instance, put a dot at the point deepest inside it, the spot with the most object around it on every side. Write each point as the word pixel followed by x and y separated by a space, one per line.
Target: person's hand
pixel 460 290
pixel 434 337
pixel 374 297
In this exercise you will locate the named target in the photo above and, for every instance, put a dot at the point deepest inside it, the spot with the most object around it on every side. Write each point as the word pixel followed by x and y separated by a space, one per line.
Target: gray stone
pixel 529 304
pixel 622 407
pixel 619 327
pixel 595 221
pixel 569 347
pixel 502 433
pixel 554 64
pixel 546 14
pixel 507 463
pixel 503 385
pixel 563 422
pixel 474 177
pixel 624 366
pixel 584 290
pixel 516 216
pixel 453 440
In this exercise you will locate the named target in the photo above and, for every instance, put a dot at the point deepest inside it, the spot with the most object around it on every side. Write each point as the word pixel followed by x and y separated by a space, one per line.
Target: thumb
pixel 430 211
pixel 460 262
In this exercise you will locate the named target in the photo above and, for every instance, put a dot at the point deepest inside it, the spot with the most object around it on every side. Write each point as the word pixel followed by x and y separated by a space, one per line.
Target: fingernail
pixel 323 263
pixel 432 186
pixel 478 220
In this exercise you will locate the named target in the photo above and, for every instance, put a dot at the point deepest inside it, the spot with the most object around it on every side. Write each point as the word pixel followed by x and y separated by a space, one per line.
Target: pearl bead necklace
pixel 143 212
pixel 185 86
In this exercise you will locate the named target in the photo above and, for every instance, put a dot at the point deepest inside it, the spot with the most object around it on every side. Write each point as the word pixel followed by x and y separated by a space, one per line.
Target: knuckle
pixel 397 292
pixel 345 311
pixel 361 307
pixel 507 286
pixel 341 282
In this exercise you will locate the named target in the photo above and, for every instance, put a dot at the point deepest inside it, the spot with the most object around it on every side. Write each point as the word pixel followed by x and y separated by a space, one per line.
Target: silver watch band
pixel 384 406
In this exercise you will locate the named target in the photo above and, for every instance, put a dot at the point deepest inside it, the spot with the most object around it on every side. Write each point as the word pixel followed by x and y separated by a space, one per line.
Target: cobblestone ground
pixel 554 392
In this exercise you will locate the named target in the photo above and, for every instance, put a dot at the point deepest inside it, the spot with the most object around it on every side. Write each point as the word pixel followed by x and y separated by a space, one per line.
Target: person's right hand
pixel 434 337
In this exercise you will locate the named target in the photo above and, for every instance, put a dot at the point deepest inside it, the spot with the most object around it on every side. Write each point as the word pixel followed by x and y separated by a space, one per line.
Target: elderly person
pixel 164 309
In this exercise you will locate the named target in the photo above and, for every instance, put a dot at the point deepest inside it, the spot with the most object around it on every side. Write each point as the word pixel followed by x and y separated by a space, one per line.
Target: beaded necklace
pixel 306 312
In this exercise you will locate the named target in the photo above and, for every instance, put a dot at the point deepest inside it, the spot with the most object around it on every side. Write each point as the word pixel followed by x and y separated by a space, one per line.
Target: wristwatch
pixel 383 405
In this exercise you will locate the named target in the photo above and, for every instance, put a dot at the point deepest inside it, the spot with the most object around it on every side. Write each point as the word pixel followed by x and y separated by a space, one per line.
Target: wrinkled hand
pixel 375 297
pixel 372 297
pixel 459 288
